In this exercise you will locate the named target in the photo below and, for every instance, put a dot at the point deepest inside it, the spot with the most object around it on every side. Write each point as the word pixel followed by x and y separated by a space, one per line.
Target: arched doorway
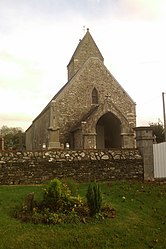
pixel 108 129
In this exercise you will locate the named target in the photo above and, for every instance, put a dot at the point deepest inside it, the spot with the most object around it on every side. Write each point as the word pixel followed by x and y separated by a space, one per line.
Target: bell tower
pixel 86 48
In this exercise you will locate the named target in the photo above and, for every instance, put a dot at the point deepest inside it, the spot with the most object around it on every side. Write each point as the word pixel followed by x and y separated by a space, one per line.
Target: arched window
pixel 94 96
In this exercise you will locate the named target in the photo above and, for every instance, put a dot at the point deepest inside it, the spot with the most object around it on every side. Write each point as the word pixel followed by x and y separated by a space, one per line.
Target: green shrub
pixel 47 217
pixel 94 198
pixel 58 198
pixel 72 185
pixel 54 190
pixel 52 195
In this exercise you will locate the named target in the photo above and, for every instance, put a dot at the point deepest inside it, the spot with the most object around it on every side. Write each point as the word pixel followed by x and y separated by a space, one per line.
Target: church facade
pixel 91 111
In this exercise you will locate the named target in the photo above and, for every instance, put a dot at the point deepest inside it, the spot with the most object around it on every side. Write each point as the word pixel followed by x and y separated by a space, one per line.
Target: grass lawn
pixel 140 220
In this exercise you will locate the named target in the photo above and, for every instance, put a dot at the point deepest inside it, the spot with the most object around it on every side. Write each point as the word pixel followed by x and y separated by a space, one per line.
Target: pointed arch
pixel 108 130
pixel 95 99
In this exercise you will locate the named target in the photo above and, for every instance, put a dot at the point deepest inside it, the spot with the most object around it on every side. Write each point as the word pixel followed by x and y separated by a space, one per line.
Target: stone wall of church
pixel 38 133
pixel 83 165
pixel 76 99
pixel 28 139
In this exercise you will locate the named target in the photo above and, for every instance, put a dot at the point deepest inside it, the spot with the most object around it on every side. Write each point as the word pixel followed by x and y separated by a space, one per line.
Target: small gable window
pixel 94 96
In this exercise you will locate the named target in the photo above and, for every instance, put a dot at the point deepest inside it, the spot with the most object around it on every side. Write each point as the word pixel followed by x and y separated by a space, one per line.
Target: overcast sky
pixel 38 38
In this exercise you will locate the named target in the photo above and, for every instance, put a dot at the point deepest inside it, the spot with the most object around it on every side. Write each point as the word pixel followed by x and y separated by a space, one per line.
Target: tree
pixel 14 137
pixel 158 131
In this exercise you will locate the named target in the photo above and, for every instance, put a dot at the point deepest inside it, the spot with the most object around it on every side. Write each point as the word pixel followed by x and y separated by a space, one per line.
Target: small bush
pixel 58 197
pixel 52 195
pixel 47 217
pixel 72 185
pixel 53 191
pixel 94 198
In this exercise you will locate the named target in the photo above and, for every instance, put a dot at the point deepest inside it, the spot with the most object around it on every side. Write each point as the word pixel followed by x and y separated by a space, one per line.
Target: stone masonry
pixel 83 165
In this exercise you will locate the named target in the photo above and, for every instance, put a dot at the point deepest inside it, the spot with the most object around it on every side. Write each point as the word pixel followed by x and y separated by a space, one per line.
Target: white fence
pixel 159 156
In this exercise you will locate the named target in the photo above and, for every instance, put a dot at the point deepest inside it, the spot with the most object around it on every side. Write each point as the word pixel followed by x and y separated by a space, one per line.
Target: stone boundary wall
pixel 84 165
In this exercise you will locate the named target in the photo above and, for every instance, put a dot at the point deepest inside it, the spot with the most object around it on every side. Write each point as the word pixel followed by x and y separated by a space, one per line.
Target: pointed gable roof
pixel 86 48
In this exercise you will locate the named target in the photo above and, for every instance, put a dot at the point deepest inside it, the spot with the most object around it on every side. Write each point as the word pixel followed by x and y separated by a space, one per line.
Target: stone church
pixel 91 111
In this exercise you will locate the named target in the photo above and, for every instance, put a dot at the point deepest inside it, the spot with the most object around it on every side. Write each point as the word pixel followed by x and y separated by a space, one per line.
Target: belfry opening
pixel 108 130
